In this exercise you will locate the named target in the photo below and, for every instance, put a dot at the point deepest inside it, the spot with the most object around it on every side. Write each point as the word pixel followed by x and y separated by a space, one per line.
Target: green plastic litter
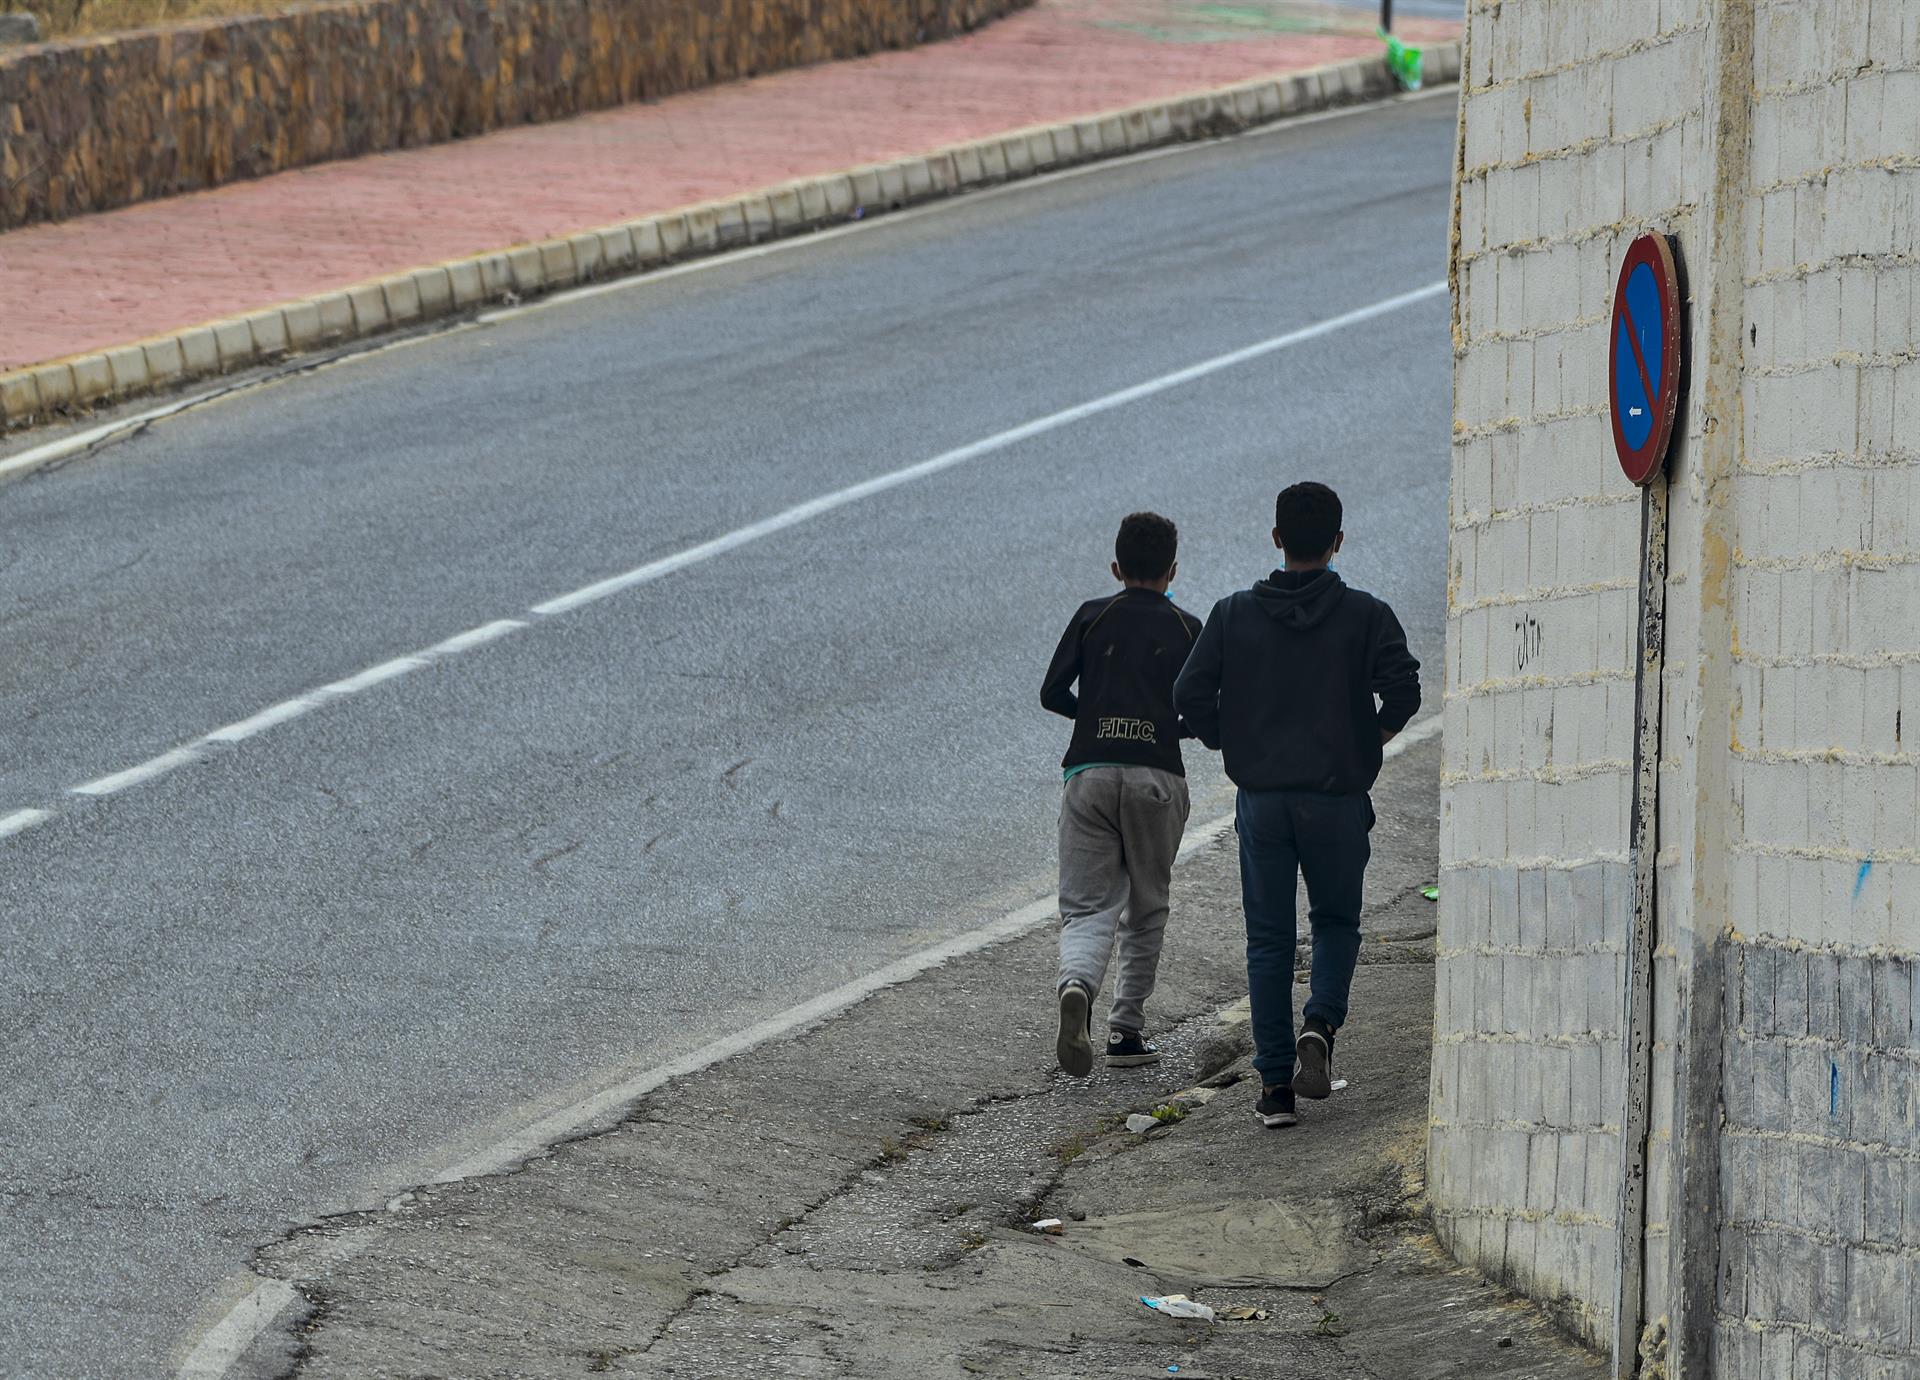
pixel 1404 62
pixel 1432 893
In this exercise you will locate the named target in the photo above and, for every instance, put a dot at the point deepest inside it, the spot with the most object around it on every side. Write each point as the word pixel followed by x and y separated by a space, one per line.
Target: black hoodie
pixel 1283 679
pixel 1125 651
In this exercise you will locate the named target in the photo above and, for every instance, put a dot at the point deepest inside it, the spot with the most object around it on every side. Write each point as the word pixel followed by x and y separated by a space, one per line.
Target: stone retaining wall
pixel 98 123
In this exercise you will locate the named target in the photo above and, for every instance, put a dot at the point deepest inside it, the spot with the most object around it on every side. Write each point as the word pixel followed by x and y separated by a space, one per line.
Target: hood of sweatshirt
pixel 1299 599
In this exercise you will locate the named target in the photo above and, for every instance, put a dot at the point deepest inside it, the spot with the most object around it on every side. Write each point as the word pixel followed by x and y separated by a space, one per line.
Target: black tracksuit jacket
pixel 1125 651
pixel 1283 679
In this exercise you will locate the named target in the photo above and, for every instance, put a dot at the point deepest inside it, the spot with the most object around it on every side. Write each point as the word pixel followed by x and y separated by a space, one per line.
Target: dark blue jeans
pixel 1284 834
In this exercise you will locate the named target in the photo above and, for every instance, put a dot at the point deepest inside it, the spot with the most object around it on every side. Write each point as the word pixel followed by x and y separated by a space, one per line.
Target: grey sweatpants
pixel 1119 830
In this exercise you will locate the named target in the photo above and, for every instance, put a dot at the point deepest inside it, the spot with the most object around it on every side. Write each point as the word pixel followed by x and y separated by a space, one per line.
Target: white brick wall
pixel 1821 1154
pixel 1791 724
pixel 1535 900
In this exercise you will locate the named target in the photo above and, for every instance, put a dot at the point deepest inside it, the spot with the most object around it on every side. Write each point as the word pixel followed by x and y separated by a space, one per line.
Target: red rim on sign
pixel 1643 357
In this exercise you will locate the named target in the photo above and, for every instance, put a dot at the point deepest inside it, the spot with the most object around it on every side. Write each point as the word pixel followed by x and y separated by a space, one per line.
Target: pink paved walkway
pixel 107 279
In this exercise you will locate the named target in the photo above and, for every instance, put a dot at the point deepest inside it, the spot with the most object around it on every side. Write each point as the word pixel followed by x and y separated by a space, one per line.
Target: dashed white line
pixel 372 676
pixel 216 1352
pixel 476 637
pixel 146 771
pixel 270 717
pixel 21 820
pixel 288 710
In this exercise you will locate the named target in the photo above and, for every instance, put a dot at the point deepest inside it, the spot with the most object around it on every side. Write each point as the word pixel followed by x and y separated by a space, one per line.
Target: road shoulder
pixel 857 1201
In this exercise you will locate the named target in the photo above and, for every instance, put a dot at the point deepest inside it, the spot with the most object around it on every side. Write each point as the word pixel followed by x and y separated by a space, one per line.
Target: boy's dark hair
pixel 1307 516
pixel 1146 546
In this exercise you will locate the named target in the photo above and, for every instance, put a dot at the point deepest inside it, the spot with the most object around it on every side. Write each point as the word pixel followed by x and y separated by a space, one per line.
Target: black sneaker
pixel 1128 1049
pixel 1275 1107
pixel 1074 1045
pixel 1313 1062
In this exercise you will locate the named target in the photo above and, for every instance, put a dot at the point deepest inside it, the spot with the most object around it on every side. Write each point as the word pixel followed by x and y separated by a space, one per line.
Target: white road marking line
pixel 288 710
pixel 999 441
pixel 372 676
pixel 60 448
pixel 227 1341
pixel 21 820
pixel 477 637
pixel 271 717
pixel 146 771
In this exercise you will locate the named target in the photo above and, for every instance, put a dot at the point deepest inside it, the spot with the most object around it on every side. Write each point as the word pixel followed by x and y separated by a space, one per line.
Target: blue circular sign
pixel 1644 352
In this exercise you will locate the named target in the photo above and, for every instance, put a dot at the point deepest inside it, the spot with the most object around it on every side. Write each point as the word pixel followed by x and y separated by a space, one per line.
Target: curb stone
pixel 41 392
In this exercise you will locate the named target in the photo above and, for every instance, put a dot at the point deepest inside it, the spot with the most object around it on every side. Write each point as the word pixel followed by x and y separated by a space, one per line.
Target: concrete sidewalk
pixel 106 280
pixel 857 1202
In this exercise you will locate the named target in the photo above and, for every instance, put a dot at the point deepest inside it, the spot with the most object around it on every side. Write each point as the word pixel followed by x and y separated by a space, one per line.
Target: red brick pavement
pixel 107 279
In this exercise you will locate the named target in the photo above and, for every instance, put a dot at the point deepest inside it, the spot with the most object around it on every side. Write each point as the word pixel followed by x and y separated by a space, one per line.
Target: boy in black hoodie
pixel 1283 682
pixel 1125 804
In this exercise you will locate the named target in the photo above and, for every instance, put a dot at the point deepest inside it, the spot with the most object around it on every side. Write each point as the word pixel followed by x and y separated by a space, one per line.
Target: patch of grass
pixel 932 1123
pixel 973 1240
pixel 1331 1325
pixel 1071 1149
pixel 1169 1113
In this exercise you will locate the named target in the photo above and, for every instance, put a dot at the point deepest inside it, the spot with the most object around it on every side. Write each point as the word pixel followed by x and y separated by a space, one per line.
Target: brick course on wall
pixel 97 123
pixel 1783 1148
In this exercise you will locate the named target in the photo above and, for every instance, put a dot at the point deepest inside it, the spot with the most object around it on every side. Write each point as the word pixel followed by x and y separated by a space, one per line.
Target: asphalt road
pixel 316 966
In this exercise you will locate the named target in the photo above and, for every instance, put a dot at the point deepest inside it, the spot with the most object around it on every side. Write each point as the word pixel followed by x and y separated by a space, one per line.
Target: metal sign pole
pixel 1637 1016
pixel 1645 351
pixel 1386 16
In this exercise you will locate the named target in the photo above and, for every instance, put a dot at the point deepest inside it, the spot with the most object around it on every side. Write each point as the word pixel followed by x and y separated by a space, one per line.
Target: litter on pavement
pixel 1245 1313
pixel 1052 1226
pixel 1140 1123
pixel 1179 1306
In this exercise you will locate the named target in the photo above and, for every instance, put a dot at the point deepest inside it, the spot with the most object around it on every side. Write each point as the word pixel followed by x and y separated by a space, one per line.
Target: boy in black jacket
pixel 1283 682
pixel 1125 805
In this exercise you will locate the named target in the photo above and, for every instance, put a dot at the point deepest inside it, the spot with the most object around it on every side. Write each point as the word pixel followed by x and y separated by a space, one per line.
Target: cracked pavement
pixel 856 1201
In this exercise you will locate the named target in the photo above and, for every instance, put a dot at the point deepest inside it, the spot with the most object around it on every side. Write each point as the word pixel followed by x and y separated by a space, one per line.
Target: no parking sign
pixel 1643 358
